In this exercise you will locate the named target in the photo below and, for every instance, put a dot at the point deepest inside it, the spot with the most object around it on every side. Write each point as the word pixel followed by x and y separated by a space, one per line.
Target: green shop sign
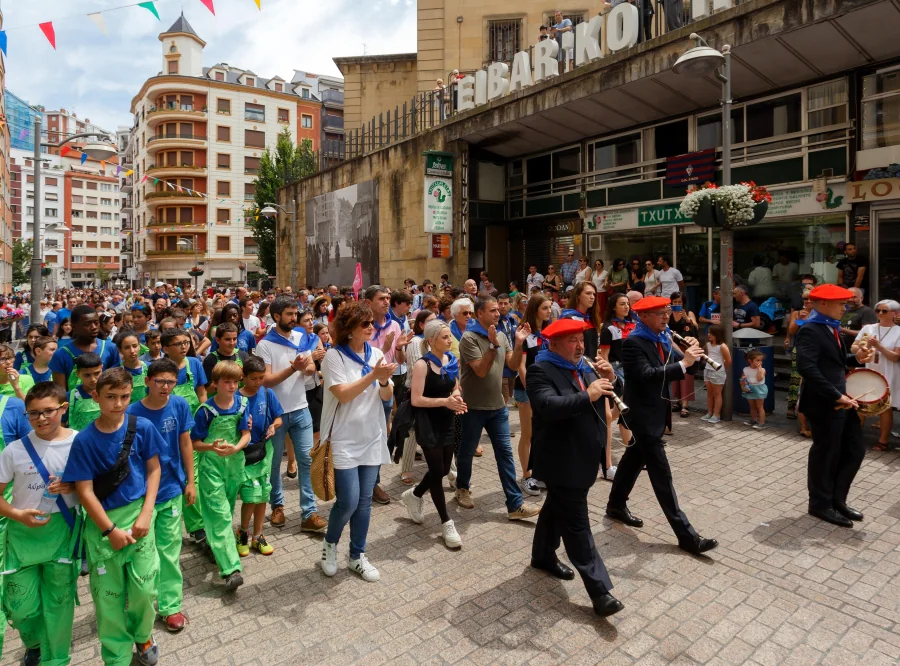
pixel 654 216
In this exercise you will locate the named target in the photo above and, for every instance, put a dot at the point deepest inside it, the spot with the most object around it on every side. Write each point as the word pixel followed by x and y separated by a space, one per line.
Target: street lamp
pixel 95 150
pixel 191 244
pixel 269 211
pixel 701 61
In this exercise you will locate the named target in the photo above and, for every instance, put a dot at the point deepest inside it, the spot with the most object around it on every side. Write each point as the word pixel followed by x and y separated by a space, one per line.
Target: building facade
pixel 329 91
pixel 198 136
pixel 21 116
pixel 92 208
pixel 6 187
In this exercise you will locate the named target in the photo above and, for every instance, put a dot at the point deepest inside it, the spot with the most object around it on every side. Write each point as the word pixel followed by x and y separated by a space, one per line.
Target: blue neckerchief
pixel 308 341
pixel 475 326
pixel 454 328
pixel 397 319
pixel 353 356
pixel 379 329
pixel 569 313
pixel 277 339
pixel 421 336
pixel 816 317
pixel 641 331
pixel 449 369
pixel 560 362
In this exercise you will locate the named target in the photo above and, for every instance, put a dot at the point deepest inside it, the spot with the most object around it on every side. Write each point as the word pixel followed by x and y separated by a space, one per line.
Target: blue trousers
pixel 496 423
pixel 353 505
pixel 299 425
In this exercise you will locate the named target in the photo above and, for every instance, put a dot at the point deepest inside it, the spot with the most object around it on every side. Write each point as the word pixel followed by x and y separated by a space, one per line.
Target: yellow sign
pixel 874 190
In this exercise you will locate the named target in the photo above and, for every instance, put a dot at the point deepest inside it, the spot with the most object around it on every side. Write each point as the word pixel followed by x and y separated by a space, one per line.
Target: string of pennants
pixel 49 31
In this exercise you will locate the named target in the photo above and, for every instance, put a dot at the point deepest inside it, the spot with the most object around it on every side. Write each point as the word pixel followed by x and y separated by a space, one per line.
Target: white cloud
pixel 97 76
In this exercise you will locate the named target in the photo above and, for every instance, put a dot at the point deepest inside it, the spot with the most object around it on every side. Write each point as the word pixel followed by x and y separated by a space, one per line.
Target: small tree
pixel 22 261
pixel 286 164
pixel 101 275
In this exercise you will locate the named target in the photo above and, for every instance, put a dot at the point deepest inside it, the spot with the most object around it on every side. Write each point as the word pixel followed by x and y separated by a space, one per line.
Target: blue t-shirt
pixel 196 370
pixel 22 356
pixel 63 313
pixel 14 424
pixel 744 313
pixel 203 418
pixel 708 309
pixel 246 342
pixel 63 363
pixel 39 376
pixel 171 421
pixel 263 410
pixel 146 358
pixel 51 319
pixel 94 452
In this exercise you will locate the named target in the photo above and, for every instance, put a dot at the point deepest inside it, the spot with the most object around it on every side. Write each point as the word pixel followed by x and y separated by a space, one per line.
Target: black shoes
pixel 607 605
pixel 848 512
pixel 623 515
pixel 833 517
pixel 556 569
pixel 698 546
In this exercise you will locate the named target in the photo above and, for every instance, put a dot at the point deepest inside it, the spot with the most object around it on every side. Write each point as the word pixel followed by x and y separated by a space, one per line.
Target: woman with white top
pixel 584 271
pixel 652 283
pixel 884 339
pixel 414 352
pixel 598 277
pixel 356 381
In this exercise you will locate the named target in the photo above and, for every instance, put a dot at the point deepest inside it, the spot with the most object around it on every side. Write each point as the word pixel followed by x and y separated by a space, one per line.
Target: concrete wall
pixel 404 247
pixel 376 84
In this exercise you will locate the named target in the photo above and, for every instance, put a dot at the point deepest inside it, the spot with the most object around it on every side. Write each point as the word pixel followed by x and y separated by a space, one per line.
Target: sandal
pixel 684 413
pixel 408 480
pixel 479 452
pixel 806 432
pixel 881 446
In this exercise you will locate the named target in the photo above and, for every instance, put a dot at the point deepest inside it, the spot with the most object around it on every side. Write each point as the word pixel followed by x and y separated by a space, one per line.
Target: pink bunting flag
pixel 209 5
pixel 49 33
pixel 357 281
pixel 144 179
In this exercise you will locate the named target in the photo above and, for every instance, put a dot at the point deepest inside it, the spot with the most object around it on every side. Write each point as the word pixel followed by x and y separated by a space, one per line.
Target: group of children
pixel 105 471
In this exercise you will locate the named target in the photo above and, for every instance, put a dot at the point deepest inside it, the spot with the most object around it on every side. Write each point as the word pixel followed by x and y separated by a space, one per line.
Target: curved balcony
pixel 173 198
pixel 173 113
pixel 177 171
pixel 177 140
pixel 156 227
pixel 170 254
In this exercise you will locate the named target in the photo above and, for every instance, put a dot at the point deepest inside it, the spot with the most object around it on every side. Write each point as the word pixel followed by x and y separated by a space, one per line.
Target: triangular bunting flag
pixel 83 158
pixel 118 170
pixel 144 179
pixel 128 173
pixel 209 5
pixel 97 18
pixel 258 5
pixel 150 7
pixel 3 41
pixel 155 181
pixel 64 150
pixel 178 188
pixel 49 33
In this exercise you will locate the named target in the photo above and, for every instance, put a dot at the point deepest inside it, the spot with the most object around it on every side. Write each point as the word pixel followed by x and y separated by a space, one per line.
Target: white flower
pixel 736 201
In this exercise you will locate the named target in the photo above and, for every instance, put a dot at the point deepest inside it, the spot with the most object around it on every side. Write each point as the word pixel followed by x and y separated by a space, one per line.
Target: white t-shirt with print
pixel 28 486
pixel 670 279
pixel 291 393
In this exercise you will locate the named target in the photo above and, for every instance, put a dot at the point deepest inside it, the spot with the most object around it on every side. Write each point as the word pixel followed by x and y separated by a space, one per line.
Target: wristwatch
pixel 494 347
pixel 105 533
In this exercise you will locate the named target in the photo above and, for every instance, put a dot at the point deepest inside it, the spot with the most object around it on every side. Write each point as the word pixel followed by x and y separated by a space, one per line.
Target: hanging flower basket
pixel 727 207
pixel 46 271
pixel 196 271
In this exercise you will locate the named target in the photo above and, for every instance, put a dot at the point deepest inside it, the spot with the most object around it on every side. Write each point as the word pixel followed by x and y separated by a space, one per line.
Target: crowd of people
pixel 145 413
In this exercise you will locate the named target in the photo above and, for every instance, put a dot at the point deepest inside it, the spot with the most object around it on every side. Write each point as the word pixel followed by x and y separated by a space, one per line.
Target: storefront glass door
pixel 888 260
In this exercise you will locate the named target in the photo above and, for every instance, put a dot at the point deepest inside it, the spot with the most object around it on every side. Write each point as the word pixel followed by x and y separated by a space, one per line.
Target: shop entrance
pixel 887 259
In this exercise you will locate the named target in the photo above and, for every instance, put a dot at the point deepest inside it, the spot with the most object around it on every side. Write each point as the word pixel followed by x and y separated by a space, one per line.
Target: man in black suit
pixel 650 363
pixel 837 451
pixel 567 446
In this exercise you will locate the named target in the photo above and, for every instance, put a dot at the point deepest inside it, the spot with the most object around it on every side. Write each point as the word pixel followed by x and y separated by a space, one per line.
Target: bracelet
pixel 385 385
pixel 108 531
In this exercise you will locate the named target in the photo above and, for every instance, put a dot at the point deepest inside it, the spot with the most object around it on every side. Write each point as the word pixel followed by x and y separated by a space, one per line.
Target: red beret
pixel 565 327
pixel 830 292
pixel 649 303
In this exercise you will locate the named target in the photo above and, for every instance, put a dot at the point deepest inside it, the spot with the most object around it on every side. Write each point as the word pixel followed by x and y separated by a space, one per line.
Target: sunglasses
pixel 367 324
pixel 882 311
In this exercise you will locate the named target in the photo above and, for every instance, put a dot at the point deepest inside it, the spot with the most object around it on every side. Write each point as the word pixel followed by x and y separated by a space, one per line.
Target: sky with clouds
pixel 97 75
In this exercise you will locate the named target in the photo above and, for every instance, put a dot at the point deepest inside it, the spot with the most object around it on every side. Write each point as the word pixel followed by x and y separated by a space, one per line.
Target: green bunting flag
pixel 150 7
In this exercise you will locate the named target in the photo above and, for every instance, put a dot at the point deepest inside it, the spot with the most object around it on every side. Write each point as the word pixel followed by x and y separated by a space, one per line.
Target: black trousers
pixel 564 516
pixel 649 451
pixel 834 457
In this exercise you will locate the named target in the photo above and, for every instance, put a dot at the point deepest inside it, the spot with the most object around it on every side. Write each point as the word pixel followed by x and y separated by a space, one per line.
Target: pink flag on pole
pixel 357 281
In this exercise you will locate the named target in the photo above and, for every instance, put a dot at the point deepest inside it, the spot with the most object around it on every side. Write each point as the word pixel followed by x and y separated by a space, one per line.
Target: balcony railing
pixel 160 253
pixel 154 167
pixel 177 135
pixel 162 223
pixel 332 96
pixel 173 193
pixel 336 122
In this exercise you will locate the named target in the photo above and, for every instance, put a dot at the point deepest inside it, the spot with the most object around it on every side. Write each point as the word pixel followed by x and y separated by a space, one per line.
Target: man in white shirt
pixel 286 367
pixel 534 279
pixel 784 273
pixel 669 276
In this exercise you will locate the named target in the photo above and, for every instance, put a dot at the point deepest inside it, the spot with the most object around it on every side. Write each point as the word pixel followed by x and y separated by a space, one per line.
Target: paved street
pixel 782 588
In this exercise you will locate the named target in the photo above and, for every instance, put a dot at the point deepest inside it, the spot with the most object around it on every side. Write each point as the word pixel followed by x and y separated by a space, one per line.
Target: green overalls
pixel 220 480
pixel 123 585
pixel 25 383
pixel 169 579
pixel 138 383
pixel 82 411
pixel 193 518
pixel 257 485
pixel 73 379
pixel 211 391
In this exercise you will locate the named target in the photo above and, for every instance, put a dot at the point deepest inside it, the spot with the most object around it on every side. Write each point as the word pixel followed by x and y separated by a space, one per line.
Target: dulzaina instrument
pixel 620 404
pixel 870 384
pixel 715 365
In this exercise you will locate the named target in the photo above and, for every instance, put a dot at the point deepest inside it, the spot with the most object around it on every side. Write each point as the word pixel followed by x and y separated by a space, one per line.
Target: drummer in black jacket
pixel 837 451
pixel 567 446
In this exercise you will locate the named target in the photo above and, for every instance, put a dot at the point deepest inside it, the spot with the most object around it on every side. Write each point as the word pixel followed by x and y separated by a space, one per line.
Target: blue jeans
pixel 353 505
pixel 496 422
pixel 299 425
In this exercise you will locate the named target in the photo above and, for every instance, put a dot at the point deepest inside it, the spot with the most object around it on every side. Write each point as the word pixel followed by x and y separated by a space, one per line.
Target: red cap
pixel 565 327
pixel 830 292
pixel 650 303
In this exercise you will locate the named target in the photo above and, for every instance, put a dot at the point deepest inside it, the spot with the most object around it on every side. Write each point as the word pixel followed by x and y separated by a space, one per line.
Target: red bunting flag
pixel 209 5
pixel 64 150
pixel 49 33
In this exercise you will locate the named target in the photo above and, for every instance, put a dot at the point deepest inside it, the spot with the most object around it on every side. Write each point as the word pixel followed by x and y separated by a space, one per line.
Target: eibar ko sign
pixel 438 193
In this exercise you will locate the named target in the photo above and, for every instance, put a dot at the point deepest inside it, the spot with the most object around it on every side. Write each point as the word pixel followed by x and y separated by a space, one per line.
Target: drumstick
pixel 863 395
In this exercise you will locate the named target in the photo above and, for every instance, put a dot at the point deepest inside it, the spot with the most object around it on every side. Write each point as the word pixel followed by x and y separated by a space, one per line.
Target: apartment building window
pixel 78 213
pixel 220 76
pixel 223 188
pixel 52 182
pixel 77 227
pixel 223 161
pixel 77 259
pixel 90 244
pixel 105 231
pixel 29 178
pixel 223 106
pixel 29 210
pixel 249 191
pixel 171 215
pixel 279 87
pixel 91 200
pixel 51 196
pixel 106 187
pixel 106 245
pixel 304 93
pixel 709 129
pixel 251 82
pixel 77 184
pixel 173 67
pixel 254 112
pixel 29 194
pixel 91 185
pixel 106 216
pixel 250 246
pixel 187 130
pixel 504 38
pixel 50 258
pixel 613 153
pixel 50 212
pixel 186 215
pixel 106 202
pixel 881 109
pixel 223 216
pixel 223 243
pixel 223 133
pixel 90 230
pixel 284 116
pixel 91 215
pixel 251 165
pixel 254 139
pixel 187 158
pixel 187 183
pixel 305 121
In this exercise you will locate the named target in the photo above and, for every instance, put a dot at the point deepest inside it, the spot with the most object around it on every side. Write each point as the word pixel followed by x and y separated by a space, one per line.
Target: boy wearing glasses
pixel 191 377
pixel 12 383
pixel 40 591
pixel 83 409
pixel 171 416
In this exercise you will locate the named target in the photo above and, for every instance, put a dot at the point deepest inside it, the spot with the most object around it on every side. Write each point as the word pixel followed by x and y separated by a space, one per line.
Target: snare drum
pixel 874 389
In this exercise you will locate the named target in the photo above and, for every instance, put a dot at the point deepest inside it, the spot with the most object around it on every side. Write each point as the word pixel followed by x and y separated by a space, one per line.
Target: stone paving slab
pixel 782 588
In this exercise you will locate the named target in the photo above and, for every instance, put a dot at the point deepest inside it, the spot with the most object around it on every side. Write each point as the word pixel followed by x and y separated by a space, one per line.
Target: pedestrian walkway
pixel 782 588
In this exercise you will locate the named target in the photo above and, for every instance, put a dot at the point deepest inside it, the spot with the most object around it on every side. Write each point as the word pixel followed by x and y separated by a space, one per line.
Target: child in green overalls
pixel 11 382
pixel 119 537
pixel 82 407
pixel 39 369
pixel 265 418
pixel 226 337
pixel 129 345
pixel 192 387
pixel 41 567
pixel 221 433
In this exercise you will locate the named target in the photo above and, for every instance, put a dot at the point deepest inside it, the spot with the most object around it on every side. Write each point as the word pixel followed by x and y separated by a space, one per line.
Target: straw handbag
pixel 321 470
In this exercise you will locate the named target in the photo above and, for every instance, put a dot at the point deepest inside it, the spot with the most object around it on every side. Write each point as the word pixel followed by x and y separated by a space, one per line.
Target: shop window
pixel 826 105
pixel 504 38
pixel 772 118
pixel 615 154
pixel 881 109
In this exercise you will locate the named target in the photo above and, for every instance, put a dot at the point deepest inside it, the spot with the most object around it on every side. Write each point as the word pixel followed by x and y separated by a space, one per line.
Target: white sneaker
pixel 713 420
pixel 611 473
pixel 706 417
pixel 540 484
pixel 414 506
pixel 451 536
pixel 364 568
pixel 329 558
pixel 530 487
pixel 451 479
